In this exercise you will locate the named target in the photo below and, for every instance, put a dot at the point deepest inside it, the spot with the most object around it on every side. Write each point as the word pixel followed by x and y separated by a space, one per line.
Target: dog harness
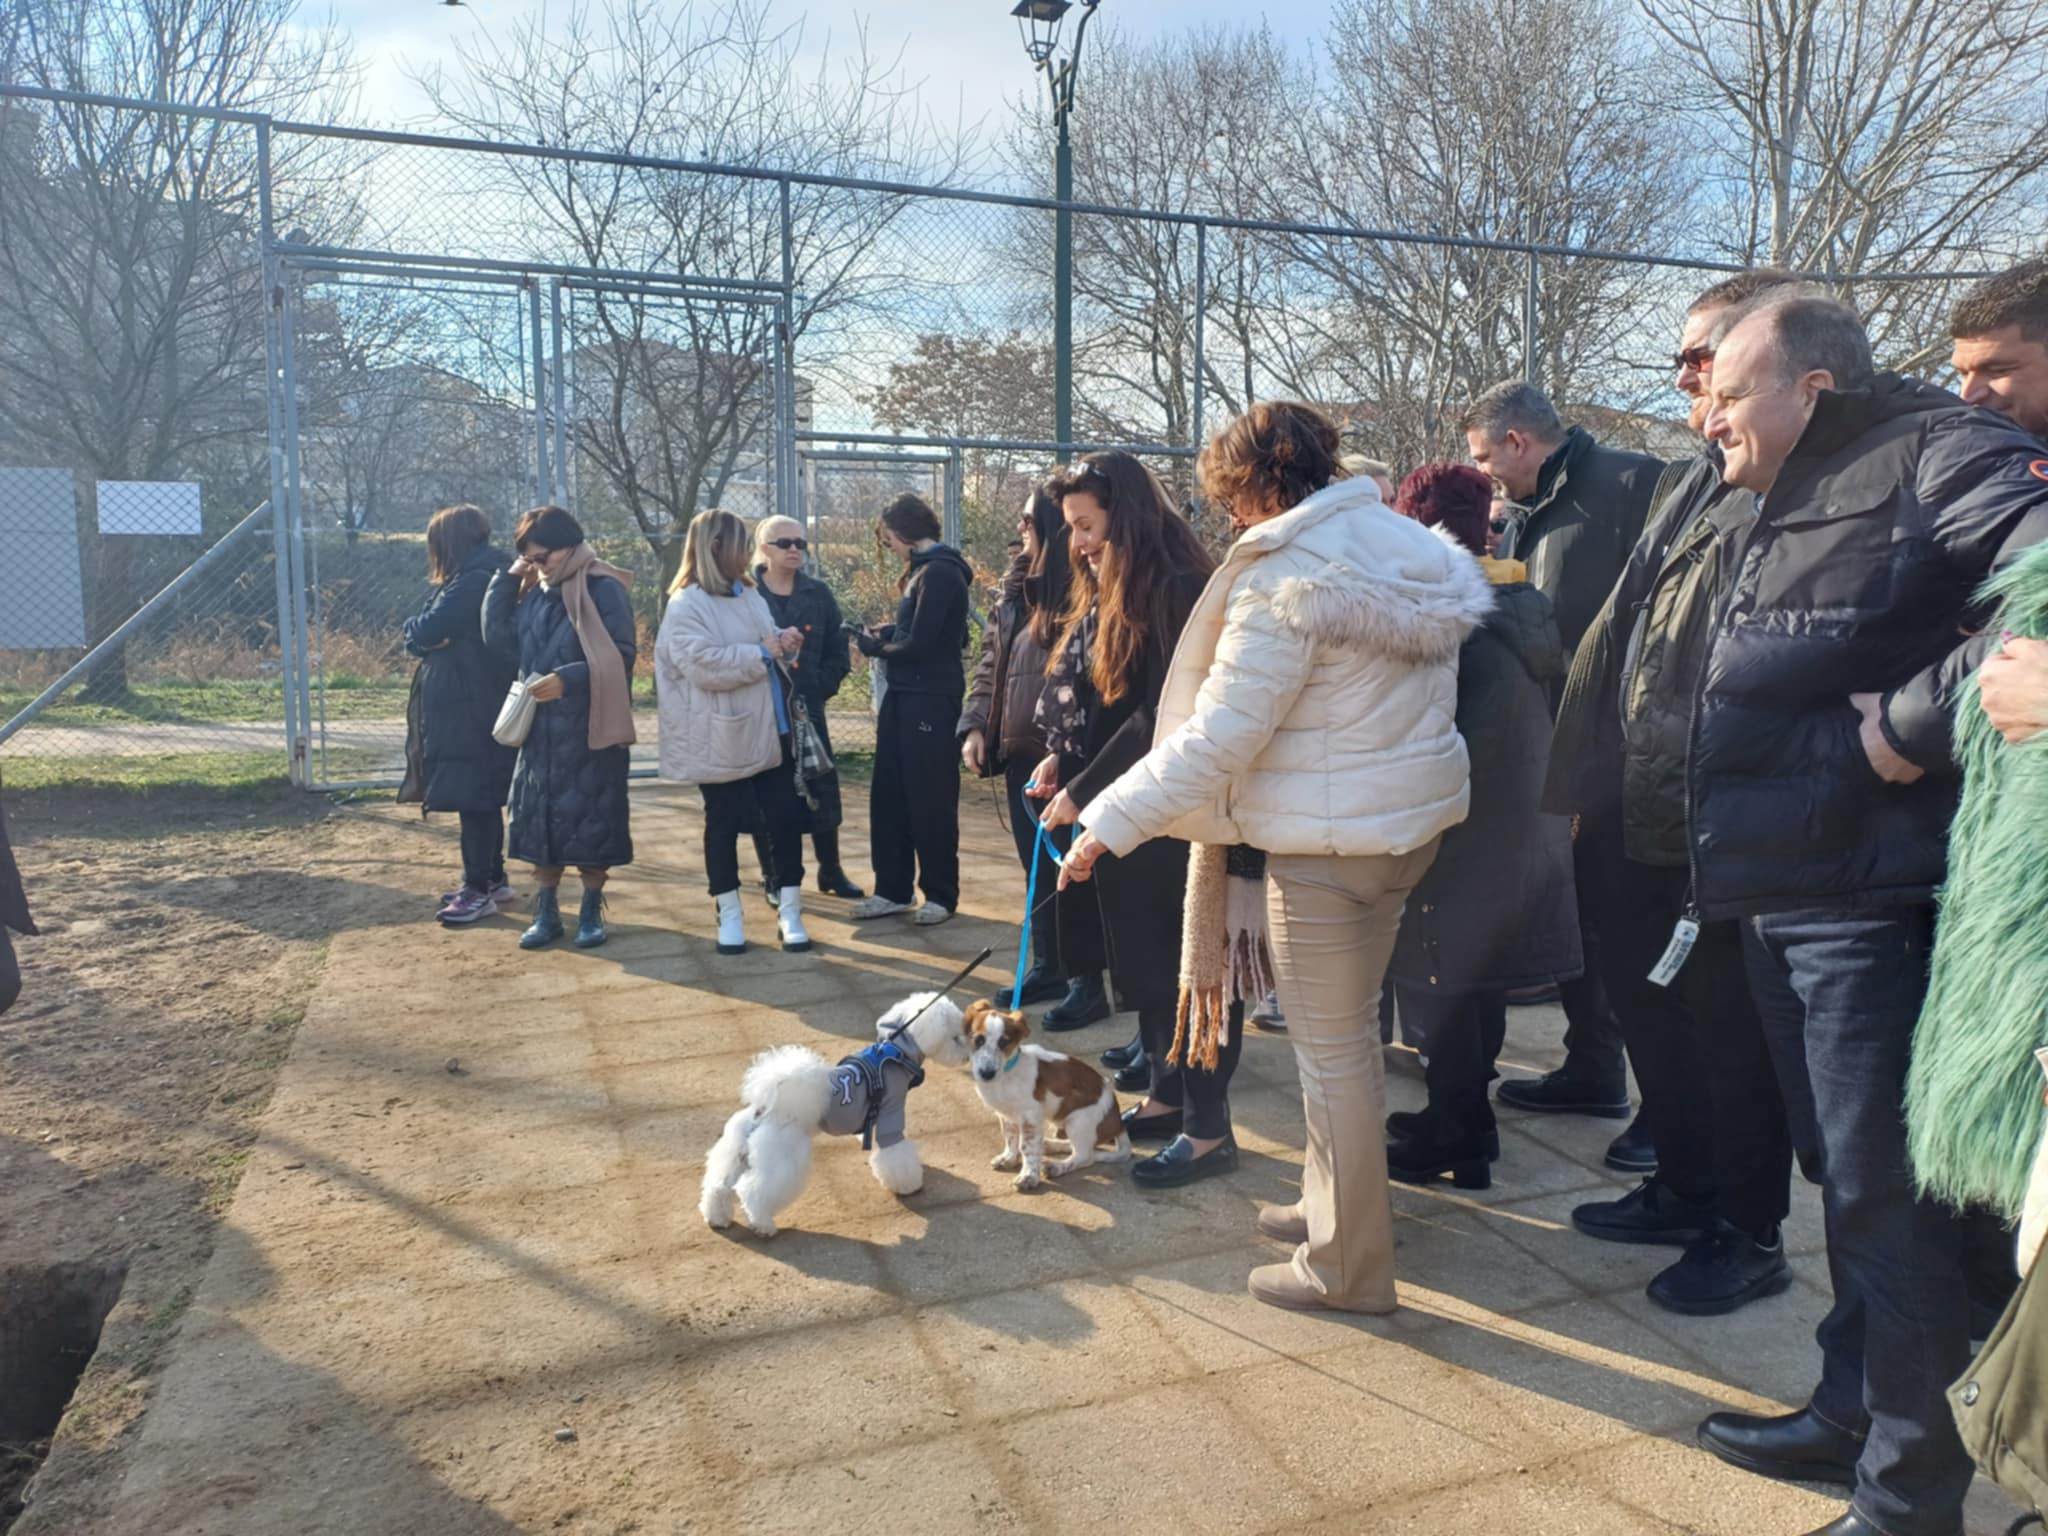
pixel 869 1092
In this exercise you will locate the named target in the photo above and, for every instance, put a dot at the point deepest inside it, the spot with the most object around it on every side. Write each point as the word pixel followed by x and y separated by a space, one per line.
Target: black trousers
pixel 1066 928
pixel 483 848
pixel 1593 1031
pixel 767 800
pixel 914 803
pixel 1202 1096
pixel 1461 1033
pixel 1711 1099
pixel 824 844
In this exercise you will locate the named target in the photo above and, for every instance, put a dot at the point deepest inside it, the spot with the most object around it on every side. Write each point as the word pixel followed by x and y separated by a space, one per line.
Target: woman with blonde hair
pixel 798 600
pixel 1309 712
pixel 725 721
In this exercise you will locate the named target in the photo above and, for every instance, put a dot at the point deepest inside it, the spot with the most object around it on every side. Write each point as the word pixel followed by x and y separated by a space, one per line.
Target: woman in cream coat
pixel 725 720
pixel 1310 712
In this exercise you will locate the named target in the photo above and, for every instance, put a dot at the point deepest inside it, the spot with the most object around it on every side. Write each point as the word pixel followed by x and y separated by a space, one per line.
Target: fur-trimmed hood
pixel 1375 580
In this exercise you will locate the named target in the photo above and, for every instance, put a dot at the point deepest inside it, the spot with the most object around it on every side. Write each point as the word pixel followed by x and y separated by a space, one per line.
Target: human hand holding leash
pixel 1079 864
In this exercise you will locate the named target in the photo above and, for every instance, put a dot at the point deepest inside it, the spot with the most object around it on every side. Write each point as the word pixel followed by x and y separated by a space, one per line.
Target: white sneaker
pixel 931 914
pixel 732 926
pixel 790 918
pixel 876 906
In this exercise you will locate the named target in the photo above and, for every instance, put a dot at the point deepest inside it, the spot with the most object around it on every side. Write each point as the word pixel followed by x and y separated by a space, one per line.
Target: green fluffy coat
pixel 1973 1095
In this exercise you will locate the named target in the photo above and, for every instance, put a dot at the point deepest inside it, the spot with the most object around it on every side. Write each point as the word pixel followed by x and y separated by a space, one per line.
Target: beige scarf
pixel 1225 957
pixel 611 699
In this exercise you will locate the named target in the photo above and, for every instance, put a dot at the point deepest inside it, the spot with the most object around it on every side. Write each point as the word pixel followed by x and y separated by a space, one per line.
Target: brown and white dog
pixel 1030 1087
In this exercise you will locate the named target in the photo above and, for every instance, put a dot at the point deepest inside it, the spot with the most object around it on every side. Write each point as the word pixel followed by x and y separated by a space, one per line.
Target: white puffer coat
pixel 1311 704
pixel 712 685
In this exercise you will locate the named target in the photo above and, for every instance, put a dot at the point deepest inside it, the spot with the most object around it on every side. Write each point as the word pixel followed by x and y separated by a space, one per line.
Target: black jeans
pixel 1839 992
pixel 1202 1096
pixel 914 803
pixel 483 848
pixel 1461 1034
pixel 1593 1033
pixel 767 800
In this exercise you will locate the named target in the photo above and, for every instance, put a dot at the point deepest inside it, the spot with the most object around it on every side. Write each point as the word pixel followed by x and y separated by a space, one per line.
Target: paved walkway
pixel 463 1287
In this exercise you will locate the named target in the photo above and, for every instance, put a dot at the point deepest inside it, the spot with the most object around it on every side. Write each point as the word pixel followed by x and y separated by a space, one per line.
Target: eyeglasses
pixel 1695 358
pixel 788 544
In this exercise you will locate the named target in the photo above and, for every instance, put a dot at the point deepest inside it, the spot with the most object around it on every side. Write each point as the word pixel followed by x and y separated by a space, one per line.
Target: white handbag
pixel 515 715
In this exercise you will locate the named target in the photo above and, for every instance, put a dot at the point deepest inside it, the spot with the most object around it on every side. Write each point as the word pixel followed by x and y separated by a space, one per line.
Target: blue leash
pixel 1030 907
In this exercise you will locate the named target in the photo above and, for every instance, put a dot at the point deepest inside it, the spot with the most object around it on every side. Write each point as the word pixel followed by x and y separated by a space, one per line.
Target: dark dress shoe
pixel 1137 1077
pixel 835 883
pixel 1414 1124
pixel 1151 1127
pixel 1041 985
pixel 1849 1523
pixel 1120 1056
pixel 1180 1164
pixel 1797 1447
pixel 1633 1151
pixel 1085 1003
pixel 1649 1213
pixel 1559 1093
pixel 1722 1272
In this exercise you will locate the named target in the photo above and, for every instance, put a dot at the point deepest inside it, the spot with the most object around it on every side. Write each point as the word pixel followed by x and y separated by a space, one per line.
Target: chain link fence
pixel 376 325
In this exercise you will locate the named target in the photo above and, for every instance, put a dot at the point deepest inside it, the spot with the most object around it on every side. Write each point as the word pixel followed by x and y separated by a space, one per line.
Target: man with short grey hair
pixel 1821 784
pixel 1574 511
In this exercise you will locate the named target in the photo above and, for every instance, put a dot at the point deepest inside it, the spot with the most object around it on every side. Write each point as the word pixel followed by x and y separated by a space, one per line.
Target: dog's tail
pixel 789 1083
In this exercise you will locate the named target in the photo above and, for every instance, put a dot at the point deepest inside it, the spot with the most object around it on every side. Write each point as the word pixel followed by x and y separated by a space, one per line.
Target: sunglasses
pixel 788 544
pixel 1694 358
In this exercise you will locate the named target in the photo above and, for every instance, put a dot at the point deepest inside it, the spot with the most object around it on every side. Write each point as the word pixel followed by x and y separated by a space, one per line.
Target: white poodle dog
pixel 790 1094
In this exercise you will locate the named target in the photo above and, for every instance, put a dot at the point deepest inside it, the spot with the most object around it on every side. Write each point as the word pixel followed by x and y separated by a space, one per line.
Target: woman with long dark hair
pixel 451 761
pixel 1310 714
pixel 914 802
pixel 1138 569
pixel 564 617
pixel 999 733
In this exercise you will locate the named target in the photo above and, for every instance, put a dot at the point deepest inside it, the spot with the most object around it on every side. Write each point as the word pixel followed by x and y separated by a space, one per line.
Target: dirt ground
pixel 180 941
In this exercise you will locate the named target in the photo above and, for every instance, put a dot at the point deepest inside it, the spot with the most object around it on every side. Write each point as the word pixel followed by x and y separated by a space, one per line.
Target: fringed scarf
pixel 1225 956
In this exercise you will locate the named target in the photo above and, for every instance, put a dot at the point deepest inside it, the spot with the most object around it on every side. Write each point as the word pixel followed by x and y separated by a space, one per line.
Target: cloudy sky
pixel 965 54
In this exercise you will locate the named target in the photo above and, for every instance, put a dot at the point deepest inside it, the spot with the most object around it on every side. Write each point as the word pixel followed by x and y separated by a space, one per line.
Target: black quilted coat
pixel 568 802
pixel 451 762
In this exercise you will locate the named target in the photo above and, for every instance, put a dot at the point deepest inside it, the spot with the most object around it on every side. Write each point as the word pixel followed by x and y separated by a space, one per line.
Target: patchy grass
pixel 214 774
pixel 219 701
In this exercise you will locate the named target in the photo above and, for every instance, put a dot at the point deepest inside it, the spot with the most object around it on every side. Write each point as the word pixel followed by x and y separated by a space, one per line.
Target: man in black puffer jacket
pixel 1821 788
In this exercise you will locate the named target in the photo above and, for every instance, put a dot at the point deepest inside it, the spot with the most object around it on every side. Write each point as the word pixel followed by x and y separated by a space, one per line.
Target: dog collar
pixel 1013 1058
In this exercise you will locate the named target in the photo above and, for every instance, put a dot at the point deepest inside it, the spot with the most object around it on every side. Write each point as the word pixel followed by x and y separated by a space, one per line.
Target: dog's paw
pixel 1006 1162
pixel 1064 1165
pixel 1027 1180
pixel 765 1229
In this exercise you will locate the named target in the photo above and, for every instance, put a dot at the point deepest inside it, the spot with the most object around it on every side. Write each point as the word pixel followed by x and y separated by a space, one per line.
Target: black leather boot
pixel 1120 1056
pixel 1086 1003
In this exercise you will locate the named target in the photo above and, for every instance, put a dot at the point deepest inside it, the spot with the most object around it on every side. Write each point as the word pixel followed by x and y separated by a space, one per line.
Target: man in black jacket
pixel 1575 510
pixel 1821 786
pixel 1710 1095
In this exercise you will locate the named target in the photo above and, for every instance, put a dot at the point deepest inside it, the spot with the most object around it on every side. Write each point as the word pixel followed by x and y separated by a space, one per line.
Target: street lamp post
pixel 1040 22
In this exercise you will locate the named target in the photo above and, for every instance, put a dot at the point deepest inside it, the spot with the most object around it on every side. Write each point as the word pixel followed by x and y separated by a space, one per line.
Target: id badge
pixel 1683 937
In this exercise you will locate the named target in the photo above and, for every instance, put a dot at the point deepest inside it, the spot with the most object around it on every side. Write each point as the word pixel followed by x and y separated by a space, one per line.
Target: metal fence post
pixel 1529 368
pixel 559 397
pixel 1201 320
pixel 543 477
pixel 293 512
pixel 786 395
pixel 273 372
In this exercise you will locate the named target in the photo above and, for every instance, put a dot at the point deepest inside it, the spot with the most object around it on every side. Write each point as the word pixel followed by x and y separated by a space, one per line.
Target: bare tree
pixel 131 285
pixel 1530 120
pixel 1896 135
pixel 672 398
pixel 976 385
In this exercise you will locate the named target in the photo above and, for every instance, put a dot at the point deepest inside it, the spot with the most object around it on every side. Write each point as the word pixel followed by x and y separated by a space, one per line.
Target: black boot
pixel 1137 1077
pixel 1041 985
pixel 1633 1151
pixel 1121 1056
pixel 1085 1003
pixel 764 850
pixel 1441 1147
pixel 590 919
pixel 1417 1125
pixel 832 879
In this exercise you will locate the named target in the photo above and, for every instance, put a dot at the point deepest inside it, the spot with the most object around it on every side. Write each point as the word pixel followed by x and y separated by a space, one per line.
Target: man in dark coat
pixel 1710 1094
pixel 14 915
pixel 1822 784
pixel 1575 510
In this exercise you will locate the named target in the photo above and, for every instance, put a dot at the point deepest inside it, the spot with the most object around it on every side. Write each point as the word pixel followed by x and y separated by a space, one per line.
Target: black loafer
pixel 1135 1078
pixel 1850 1523
pixel 836 884
pixel 1151 1127
pixel 1121 1056
pixel 1797 1447
pixel 1180 1164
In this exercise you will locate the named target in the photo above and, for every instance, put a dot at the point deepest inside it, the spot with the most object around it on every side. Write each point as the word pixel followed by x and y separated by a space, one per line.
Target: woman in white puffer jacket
pixel 1310 711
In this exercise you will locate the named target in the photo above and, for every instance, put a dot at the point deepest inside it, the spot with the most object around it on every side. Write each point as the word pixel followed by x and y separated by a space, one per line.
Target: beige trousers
pixel 1333 922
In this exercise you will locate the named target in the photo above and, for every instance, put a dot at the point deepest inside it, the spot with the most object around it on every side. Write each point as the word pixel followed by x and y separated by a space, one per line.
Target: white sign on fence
pixel 42 602
pixel 148 506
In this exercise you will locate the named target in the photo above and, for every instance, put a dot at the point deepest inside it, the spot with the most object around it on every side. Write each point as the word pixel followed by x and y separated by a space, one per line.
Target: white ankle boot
pixel 789 914
pixel 732 928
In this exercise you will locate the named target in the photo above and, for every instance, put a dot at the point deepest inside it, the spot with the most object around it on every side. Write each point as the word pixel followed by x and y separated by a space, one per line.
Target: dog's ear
pixel 977 1010
pixel 1016 1029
